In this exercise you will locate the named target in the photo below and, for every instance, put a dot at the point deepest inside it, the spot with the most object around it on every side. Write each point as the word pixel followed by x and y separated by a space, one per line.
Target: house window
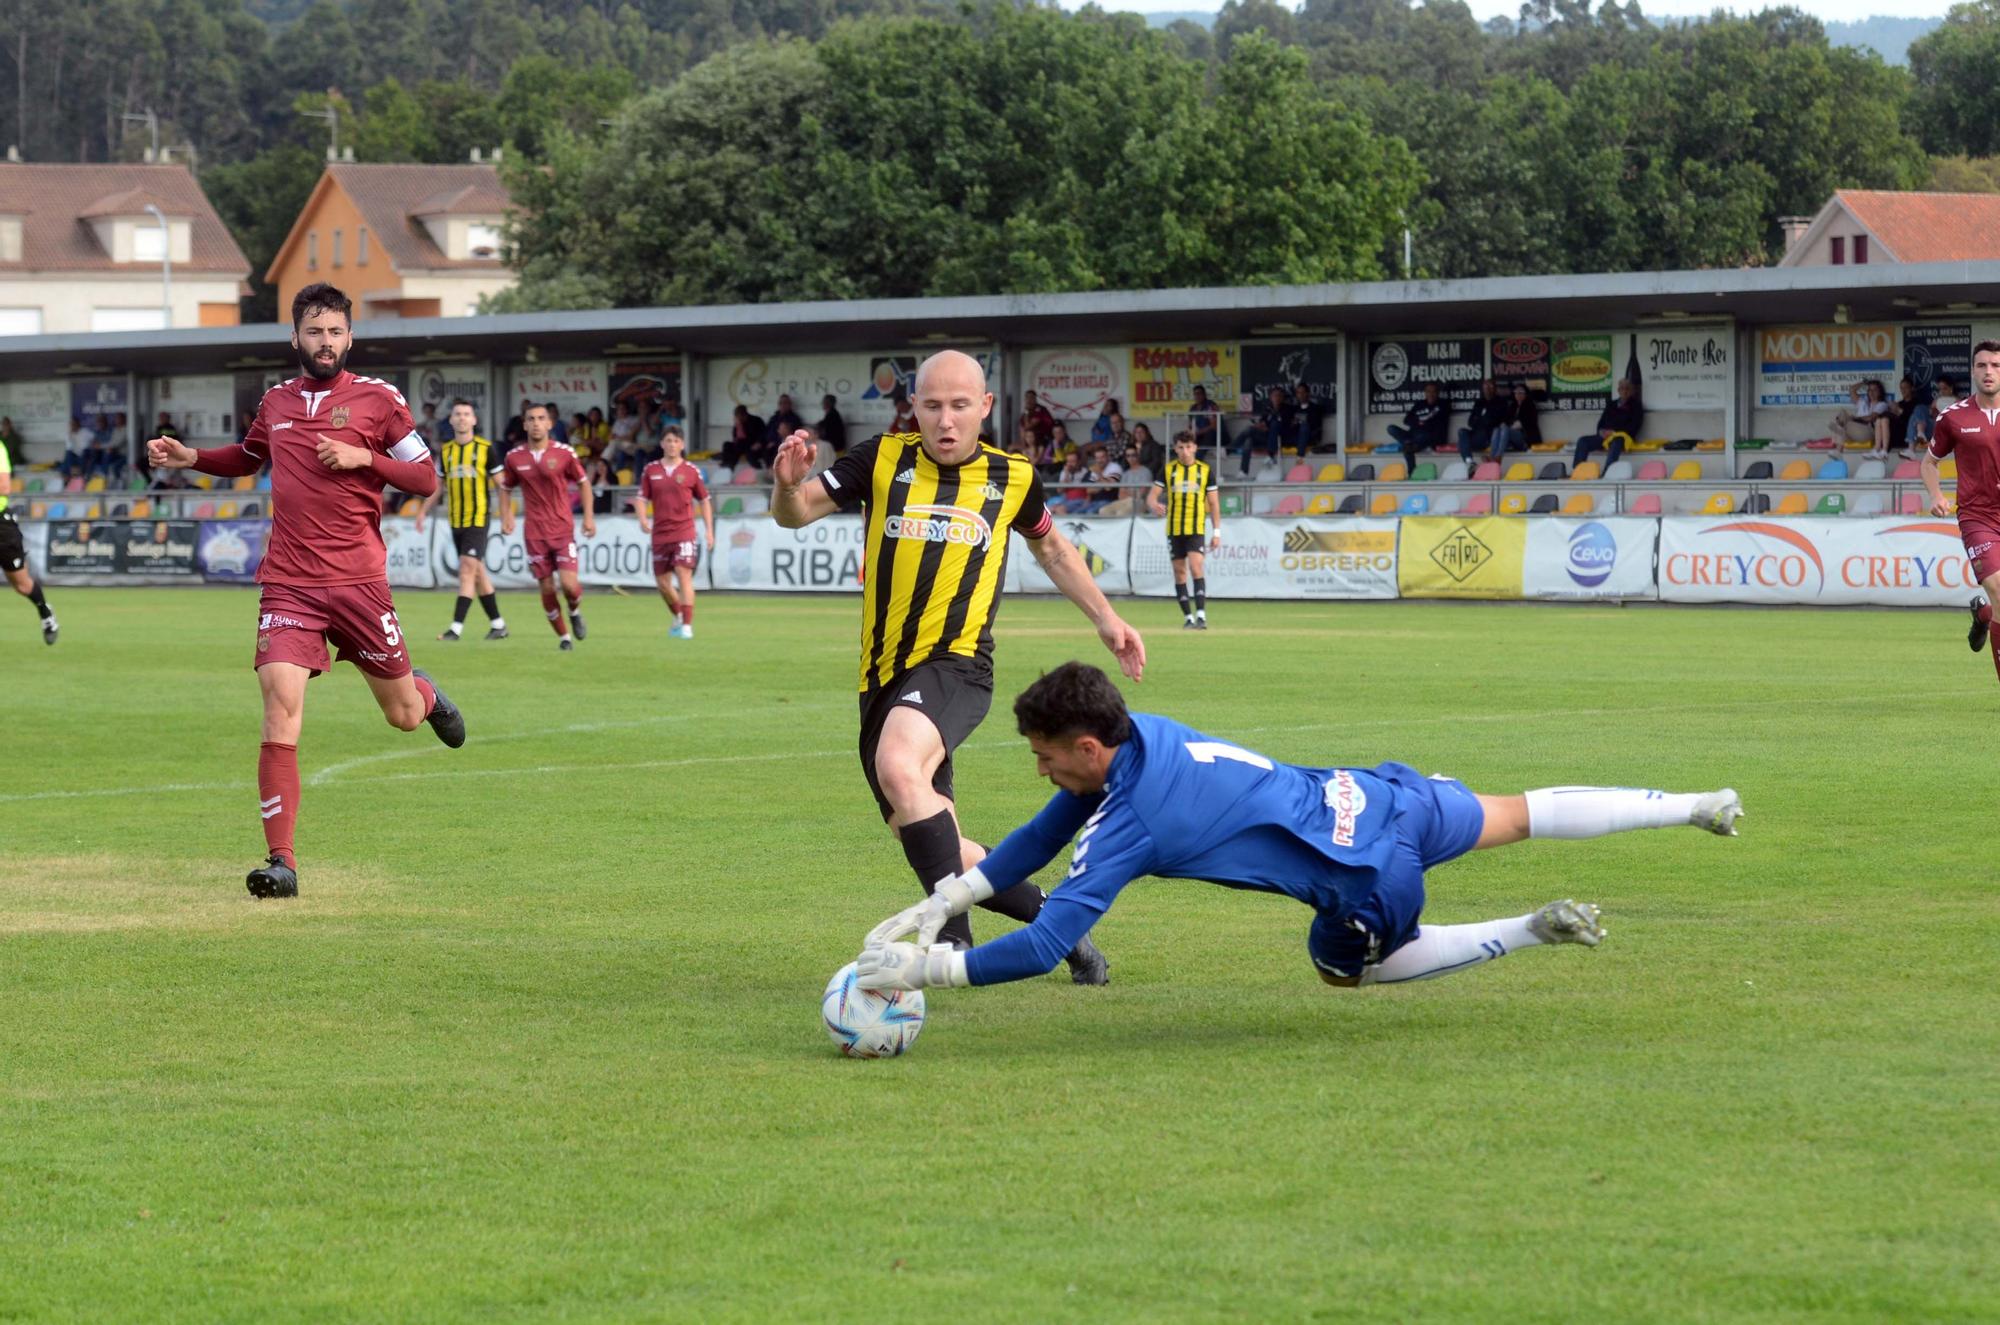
pixel 1838 246
pixel 1860 248
pixel 361 247
pixel 483 241
pixel 20 321
pixel 128 319
pixel 312 250
pixel 149 244
pixel 338 237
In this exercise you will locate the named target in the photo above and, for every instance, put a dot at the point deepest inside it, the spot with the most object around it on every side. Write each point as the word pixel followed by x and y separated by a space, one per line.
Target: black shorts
pixel 13 553
pixel 954 693
pixel 470 541
pixel 1180 545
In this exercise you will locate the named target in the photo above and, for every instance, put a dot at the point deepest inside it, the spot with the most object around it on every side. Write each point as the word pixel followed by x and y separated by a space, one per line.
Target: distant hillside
pixel 1888 37
pixel 1203 17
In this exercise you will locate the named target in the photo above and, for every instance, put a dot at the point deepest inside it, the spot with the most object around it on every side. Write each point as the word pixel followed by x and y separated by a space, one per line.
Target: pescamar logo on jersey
pixel 940 524
pixel 1348 801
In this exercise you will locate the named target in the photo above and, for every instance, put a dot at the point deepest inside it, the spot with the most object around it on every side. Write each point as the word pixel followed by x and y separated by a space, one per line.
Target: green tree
pixel 258 200
pixel 1957 102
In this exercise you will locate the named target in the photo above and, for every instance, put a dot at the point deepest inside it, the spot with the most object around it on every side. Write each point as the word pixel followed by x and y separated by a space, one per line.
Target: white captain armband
pixel 410 448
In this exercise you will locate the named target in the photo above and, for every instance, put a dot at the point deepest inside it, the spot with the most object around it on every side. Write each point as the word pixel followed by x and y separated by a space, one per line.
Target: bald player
pixel 940 506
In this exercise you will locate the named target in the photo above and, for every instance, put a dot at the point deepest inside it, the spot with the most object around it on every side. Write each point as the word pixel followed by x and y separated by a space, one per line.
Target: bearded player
pixel 543 470
pixel 1971 431
pixel 668 491
pixel 333 441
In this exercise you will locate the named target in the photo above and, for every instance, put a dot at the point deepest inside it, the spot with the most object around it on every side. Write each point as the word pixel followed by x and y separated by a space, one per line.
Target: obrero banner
pixel 1264 557
pixel 1910 562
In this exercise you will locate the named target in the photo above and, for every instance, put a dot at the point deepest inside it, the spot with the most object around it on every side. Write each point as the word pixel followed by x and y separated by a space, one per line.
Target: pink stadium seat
pixel 1912 504
pixel 1479 503
pixel 205 511
pixel 745 475
pixel 1299 473
pixel 1487 472
pixel 1653 471
pixel 1646 503
pixel 1907 470
pixel 1292 505
pixel 74 485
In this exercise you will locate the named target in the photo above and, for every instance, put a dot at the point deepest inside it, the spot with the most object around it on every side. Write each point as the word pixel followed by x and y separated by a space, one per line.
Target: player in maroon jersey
pixel 543 471
pixel 668 491
pixel 333 441
pixel 1970 430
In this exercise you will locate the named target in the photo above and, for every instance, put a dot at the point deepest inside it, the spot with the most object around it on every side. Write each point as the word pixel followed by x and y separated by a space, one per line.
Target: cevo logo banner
pixel 1444 556
pixel 1908 562
pixel 1608 558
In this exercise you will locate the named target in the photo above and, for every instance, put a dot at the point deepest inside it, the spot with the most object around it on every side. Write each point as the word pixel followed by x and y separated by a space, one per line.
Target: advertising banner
pixel 1074 383
pixel 409 552
pixel 865 386
pixel 1931 352
pixel 231 550
pixel 574 387
pixel 1687 369
pixel 1916 561
pixel 40 410
pixel 1610 558
pixel 1580 371
pixel 650 385
pixel 91 398
pixel 35 541
pixel 1282 365
pixel 620 553
pixel 1442 556
pixel 1294 557
pixel 437 385
pixel 84 547
pixel 1521 360
pixel 1820 365
pixel 754 552
pixel 158 547
pixel 1163 377
pixel 1399 369
pixel 1103 541
pixel 203 408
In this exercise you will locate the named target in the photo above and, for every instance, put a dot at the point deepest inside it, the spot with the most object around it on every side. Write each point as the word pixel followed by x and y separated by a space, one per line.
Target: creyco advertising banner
pixel 1608 558
pixel 1911 562
pixel 1398 371
pixel 1820 365
pixel 1443 556
pixel 1265 557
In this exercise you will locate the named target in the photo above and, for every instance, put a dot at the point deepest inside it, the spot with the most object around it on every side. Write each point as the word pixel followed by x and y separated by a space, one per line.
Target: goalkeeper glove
pixel 953 897
pixel 906 966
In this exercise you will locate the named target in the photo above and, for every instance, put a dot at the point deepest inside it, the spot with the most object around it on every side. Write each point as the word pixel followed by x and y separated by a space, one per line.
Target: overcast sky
pixel 1831 10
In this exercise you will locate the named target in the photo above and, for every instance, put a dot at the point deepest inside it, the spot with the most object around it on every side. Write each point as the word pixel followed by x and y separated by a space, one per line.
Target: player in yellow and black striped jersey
pixel 14 553
pixel 939 508
pixel 470 464
pixel 1194 522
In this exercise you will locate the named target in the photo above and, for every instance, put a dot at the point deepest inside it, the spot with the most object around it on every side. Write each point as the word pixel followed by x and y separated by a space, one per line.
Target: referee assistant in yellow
pixel 1194 521
pixel 940 507
pixel 470 464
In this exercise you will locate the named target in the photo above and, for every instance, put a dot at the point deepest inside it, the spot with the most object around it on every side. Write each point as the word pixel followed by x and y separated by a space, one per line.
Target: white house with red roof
pixel 1859 227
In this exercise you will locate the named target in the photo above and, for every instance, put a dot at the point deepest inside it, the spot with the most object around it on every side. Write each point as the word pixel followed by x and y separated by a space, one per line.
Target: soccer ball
pixel 870 1023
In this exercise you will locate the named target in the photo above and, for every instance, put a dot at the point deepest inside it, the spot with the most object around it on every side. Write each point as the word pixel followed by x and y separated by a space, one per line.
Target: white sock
pixel 1573 812
pixel 499 623
pixel 1442 949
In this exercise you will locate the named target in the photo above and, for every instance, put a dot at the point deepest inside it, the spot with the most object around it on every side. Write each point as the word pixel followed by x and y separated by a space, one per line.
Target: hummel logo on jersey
pixel 914 697
pixel 907 476
pixel 280 427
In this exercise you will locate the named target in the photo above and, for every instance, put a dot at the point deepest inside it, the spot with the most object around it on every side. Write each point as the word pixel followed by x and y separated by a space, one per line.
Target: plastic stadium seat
pixel 95 485
pixel 1587 471
pixel 264 481
pixel 1581 503
pixel 1792 503
pixel 1948 467
pixel 1869 503
pixel 1870 471
pixel 1908 469
pixel 1653 471
pixel 1291 504
pixel 1479 503
pixel 31 484
pixel 1424 473
pixel 38 510
pixel 1267 473
pixel 75 485
pixel 95 512
pixel 1711 444
pixel 1619 471
pixel 1687 471
pixel 1320 505
pixel 1833 503
pixel 1650 444
pixel 142 509
pixel 1333 473
pixel 1795 471
pixel 1299 473
pixel 1417 503
pixel 626 478
pixel 1263 503
pixel 756 503
pixel 227 510
pixel 1555 469
pixel 1513 503
pixel 1756 503
pixel 1394 472
pixel 1384 504
pixel 1760 470
pixel 1445 503
pixel 1519 472
pixel 744 476
pixel 1487 471
pixel 252 509
pixel 205 511
pixel 730 506
pixel 1232 503
pixel 1832 469
pixel 1820 444
pixel 1364 473
pixel 1646 503
pixel 1912 504
pixel 1350 504
pixel 120 510
pixel 1718 503
pixel 246 483
pixel 1544 505
pixel 1387 448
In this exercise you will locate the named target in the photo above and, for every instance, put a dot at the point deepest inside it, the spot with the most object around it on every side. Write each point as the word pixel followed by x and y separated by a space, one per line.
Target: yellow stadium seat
pixel 1550 446
pixel 1718 503
pixel 1795 471
pixel 1393 472
pixel 95 485
pixel 1580 504
pixel 1650 444
pixel 38 510
pixel 226 511
pixel 1384 504
pixel 203 481
pixel 1948 467
pixel 1332 473
pixel 142 509
pixel 1513 503
pixel 1586 471
pixel 1321 505
pixel 1793 503
pixel 1687 471
pixel 244 483
pixel 1518 472
pixel 95 512
pixel 1711 444
pixel 410 508
pixel 626 478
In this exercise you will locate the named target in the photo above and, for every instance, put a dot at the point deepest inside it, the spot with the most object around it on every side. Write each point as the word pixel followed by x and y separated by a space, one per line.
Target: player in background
pixel 1970 430
pixel 940 505
pixel 668 490
pixel 469 466
pixel 14 554
pixel 333 441
pixel 1144 795
pixel 544 470
pixel 1192 509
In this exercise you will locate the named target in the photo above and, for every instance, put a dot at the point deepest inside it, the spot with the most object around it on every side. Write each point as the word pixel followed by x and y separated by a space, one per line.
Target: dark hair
pixel 456 401
pixel 1074 700
pixel 320 298
pixel 1184 435
pixel 1987 347
pixel 532 407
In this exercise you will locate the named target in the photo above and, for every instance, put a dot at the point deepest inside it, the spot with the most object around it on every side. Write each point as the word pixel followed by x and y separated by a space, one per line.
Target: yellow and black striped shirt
pixel 936 548
pixel 1187 488
pixel 467 468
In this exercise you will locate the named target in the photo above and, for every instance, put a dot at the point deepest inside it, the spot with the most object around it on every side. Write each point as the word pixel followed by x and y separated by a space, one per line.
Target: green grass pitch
pixel 540 1040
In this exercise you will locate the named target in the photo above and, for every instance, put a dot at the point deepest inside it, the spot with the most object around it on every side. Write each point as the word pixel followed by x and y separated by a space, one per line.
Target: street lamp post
pixel 166 268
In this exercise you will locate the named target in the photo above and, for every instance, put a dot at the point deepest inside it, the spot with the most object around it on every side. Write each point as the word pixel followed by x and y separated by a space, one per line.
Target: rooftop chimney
pixel 1794 229
pixel 14 154
pixel 475 156
pixel 496 156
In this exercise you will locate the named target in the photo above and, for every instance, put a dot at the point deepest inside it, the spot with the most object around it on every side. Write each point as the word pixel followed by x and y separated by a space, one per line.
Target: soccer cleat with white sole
pixel 1975 638
pixel 49 630
pixel 1567 922
pixel 1718 811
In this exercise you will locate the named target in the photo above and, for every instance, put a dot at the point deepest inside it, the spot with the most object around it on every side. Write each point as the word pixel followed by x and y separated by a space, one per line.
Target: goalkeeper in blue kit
pixel 1145 795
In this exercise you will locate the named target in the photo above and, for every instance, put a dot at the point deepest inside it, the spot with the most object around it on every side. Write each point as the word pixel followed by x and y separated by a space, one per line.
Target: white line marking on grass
pixel 332 771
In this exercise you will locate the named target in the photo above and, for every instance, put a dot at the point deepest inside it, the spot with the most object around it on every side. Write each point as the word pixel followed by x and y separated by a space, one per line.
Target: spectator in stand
pixel 1489 414
pixel 832 428
pixel 1117 435
pixel 1424 425
pixel 1866 419
pixel 1138 474
pixel 1616 426
pixel 906 413
pixel 671 416
pixel 1038 449
pixel 76 455
pixel 746 437
pixel 514 433
pixel 1309 421
pixel 1903 411
pixel 784 421
pixel 1035 415
pixel 1520 425
pixel 579 436
pixel 1206 421
pixel 1108 422
pixel 1262 436
pixel 107 450
pixel 625 430
pixel 558 432
pixel 1073 485
pixel 1151 454
pixel 602 483
pixel 1060 446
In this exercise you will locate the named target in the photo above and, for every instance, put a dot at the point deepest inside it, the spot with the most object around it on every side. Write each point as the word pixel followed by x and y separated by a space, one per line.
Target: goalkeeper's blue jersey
pixel 1182 805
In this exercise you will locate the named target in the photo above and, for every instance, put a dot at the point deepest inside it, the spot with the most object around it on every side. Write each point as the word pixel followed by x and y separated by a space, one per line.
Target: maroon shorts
pixel 1982 546
pixel 680 552
pixel 546 557
pixel 295 624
